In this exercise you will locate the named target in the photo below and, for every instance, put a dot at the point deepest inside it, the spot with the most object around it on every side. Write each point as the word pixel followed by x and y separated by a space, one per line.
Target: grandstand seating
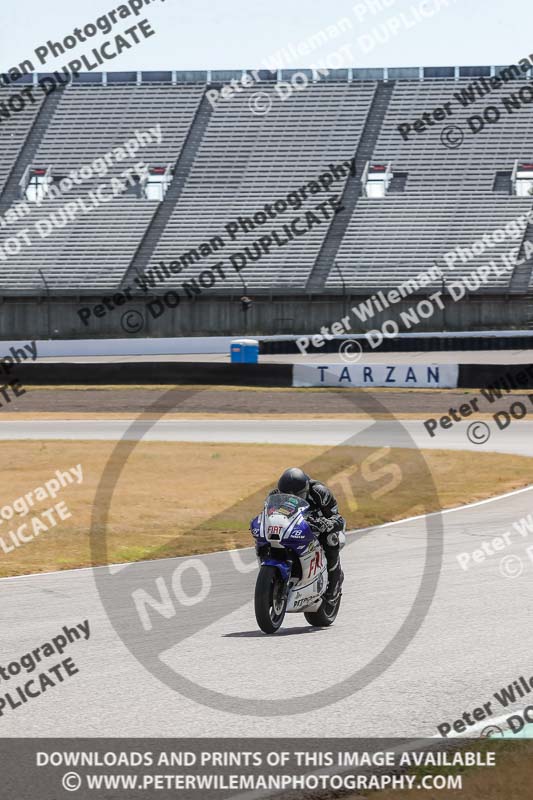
pixel 13 133
pixel 230 161
pixel 91 120
pixel 433 168
pixel 94 251
pixel 246 161
pixel 449 197
pixel 393 239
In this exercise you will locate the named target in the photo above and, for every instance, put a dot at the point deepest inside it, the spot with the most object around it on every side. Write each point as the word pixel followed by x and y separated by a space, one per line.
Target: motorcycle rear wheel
pixel 270 602
pixel 326 614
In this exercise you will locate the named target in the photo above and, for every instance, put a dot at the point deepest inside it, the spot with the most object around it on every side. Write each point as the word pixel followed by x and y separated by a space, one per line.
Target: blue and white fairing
pixel 282 522
pixel 284 532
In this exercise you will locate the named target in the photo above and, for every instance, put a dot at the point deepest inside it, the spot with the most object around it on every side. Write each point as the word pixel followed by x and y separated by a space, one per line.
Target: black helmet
pixel 294 481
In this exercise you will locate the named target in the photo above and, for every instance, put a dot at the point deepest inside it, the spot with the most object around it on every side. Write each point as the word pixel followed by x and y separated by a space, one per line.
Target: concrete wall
pixel 516 376
pixel 33 318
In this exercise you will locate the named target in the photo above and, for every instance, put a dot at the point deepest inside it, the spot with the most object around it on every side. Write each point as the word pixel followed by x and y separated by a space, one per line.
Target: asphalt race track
pixel 475 638
pixel 517 438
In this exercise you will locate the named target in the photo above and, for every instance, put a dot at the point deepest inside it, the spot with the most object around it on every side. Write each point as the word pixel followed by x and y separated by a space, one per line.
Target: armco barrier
pixel 157 372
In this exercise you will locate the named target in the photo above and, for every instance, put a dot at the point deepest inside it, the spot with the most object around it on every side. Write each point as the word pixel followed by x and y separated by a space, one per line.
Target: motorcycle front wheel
pixel 270 599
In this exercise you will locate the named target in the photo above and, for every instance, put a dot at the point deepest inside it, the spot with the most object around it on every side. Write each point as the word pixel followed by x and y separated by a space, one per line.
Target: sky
pixel 238 34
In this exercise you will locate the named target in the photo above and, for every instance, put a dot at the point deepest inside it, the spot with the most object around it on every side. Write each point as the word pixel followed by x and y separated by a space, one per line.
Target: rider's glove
pixel 323 525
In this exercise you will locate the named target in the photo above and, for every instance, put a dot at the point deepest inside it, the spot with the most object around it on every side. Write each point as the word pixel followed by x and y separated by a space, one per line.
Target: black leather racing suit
pixel 325 520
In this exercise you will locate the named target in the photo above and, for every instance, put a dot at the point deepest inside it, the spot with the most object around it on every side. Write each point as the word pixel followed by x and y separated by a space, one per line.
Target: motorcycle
pixel 293 572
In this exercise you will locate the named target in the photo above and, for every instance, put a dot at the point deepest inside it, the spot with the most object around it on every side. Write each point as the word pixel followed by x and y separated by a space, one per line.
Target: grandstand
pixel 246 161
pixel 449 197
pixel 13 136
pixel 405 204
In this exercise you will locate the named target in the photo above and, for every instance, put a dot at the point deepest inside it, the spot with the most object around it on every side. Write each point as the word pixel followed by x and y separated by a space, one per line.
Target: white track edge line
pixel 242 549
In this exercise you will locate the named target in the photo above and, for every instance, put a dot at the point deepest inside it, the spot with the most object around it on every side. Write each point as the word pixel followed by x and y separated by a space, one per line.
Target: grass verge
pixel 510 779
pixel 176 499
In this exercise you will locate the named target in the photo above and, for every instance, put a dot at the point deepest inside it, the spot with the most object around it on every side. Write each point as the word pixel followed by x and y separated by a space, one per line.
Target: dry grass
pixel 184 498
pixel 510 779
pixel 20 416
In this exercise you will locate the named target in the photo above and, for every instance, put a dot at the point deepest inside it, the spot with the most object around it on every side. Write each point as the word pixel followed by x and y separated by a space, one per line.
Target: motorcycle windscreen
pixel 286 504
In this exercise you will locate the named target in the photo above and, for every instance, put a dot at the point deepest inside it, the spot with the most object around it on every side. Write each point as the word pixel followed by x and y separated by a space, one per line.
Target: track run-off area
pixel 474 639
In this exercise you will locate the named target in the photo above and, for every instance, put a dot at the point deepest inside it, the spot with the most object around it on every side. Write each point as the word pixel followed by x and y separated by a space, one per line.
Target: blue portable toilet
pixel 244 351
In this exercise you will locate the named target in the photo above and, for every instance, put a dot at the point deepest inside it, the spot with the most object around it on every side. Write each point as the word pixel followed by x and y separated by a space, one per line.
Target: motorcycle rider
pixel 324 519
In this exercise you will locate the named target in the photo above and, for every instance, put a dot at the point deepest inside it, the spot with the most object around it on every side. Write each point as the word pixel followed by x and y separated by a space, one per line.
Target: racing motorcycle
pixel 293 572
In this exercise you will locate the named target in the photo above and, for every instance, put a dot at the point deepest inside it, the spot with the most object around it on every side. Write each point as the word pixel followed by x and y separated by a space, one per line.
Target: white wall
pixel 126 347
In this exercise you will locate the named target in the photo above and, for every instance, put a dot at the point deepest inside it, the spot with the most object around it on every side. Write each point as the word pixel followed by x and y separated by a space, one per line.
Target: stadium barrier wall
pixel 273 345
pixel 415 376
pixel 471 376
pixel 41 318
pixel 372 376
pixel 186 345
